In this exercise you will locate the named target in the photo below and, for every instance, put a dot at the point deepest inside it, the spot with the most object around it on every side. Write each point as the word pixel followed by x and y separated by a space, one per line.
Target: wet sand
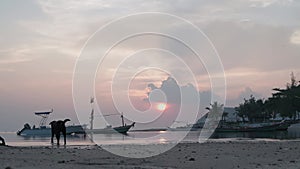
pixel 230 154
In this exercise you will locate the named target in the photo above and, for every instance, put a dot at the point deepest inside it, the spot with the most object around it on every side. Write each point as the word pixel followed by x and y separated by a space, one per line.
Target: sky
pixel 258 42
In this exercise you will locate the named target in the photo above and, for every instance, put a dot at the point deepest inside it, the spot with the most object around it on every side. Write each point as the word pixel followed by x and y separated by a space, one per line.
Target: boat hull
pixel 273 127
pixel 120 129
pixel 46 131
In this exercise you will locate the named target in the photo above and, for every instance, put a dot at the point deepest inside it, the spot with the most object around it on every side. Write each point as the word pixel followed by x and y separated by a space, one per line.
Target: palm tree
pixel 288 99
pixel 252 109
pixel 215 113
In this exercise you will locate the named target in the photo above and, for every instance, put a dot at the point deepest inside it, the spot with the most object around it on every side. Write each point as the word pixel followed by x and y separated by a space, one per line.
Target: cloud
pixel 184 102
pixel 262 3
pixel 61 71
pixel 253 46
pixel 14 55
pixel 177 94
pixel 267 3
pixel 171 90
pixel 255 39
pixel 244 94
pixel 295 38
pixel 7 70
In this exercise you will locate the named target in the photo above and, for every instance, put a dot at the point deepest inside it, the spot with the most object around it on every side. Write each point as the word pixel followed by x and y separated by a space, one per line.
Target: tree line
pixel 284 102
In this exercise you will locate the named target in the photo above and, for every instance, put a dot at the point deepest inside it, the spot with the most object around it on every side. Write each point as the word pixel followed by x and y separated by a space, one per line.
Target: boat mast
pixel 92 114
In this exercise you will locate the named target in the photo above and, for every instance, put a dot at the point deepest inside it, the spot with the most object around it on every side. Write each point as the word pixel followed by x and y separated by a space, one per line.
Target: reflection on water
pixel 13 139
pixel 134 137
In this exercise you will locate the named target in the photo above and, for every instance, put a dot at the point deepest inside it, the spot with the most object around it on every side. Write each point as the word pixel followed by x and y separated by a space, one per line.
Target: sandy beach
pixel 228 154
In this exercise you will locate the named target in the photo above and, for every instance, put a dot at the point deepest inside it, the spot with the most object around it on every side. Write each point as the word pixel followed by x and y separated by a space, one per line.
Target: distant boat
pixel 256 127
pixel 224 126
pixel 43 130
pixel 190 127
pixel 236 127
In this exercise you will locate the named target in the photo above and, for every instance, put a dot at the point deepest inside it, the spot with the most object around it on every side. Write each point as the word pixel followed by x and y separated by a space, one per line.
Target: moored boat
pixel 44 130
pixel 256 127
pixel 108 129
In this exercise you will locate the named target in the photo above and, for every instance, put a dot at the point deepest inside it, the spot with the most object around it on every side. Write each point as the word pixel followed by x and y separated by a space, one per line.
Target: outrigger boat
pixel 258 127
pixel 44 130
pixel 237 127
pixel 108 129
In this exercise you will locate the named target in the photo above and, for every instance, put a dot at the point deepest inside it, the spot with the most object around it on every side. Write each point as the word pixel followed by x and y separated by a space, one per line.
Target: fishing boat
pixel 108 129
pixel 256 127
pixel 45 130
pixel 190 127
pixel 236 127
pixel 111 130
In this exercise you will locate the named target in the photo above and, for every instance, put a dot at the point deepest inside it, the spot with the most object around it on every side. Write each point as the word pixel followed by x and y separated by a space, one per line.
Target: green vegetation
pixel 285 102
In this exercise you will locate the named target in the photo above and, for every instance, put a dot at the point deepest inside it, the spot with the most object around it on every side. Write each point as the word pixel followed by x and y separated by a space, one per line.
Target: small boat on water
pixel 256 127
pixel 190 127
pixel 236 127
pixel 109 129
pixel 44 130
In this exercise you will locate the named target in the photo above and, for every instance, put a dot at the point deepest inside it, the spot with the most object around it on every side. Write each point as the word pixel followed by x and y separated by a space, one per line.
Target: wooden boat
pixel 108 129
pixel 190 127
pixel 257 127
pixel 111 130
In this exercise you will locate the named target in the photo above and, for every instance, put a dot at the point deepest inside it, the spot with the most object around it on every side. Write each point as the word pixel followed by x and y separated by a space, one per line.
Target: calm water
pixel 171 137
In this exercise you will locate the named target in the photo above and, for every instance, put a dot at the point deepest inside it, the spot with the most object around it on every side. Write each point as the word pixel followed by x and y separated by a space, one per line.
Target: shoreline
pixel 211 154
pixel 211 140
pixel 88 144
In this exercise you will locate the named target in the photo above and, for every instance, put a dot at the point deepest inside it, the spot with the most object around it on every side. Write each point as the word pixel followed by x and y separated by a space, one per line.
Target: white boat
pixel 43 130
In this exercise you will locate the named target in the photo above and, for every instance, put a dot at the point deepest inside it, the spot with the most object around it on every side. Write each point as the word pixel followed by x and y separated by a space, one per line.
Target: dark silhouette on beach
pixel 58 127
pixel 2 141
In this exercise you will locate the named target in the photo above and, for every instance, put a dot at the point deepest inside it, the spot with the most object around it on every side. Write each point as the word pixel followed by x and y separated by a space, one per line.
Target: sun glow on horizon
pixel 161 106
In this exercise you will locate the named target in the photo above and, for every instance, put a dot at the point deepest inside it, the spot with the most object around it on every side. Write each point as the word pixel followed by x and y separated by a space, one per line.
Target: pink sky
pixel 258 43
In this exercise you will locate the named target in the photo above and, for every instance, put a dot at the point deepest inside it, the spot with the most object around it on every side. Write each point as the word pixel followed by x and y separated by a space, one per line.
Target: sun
pixel 161 106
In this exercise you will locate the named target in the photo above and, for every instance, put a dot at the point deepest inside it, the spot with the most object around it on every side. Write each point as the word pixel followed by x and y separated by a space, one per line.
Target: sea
pixel 12 139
